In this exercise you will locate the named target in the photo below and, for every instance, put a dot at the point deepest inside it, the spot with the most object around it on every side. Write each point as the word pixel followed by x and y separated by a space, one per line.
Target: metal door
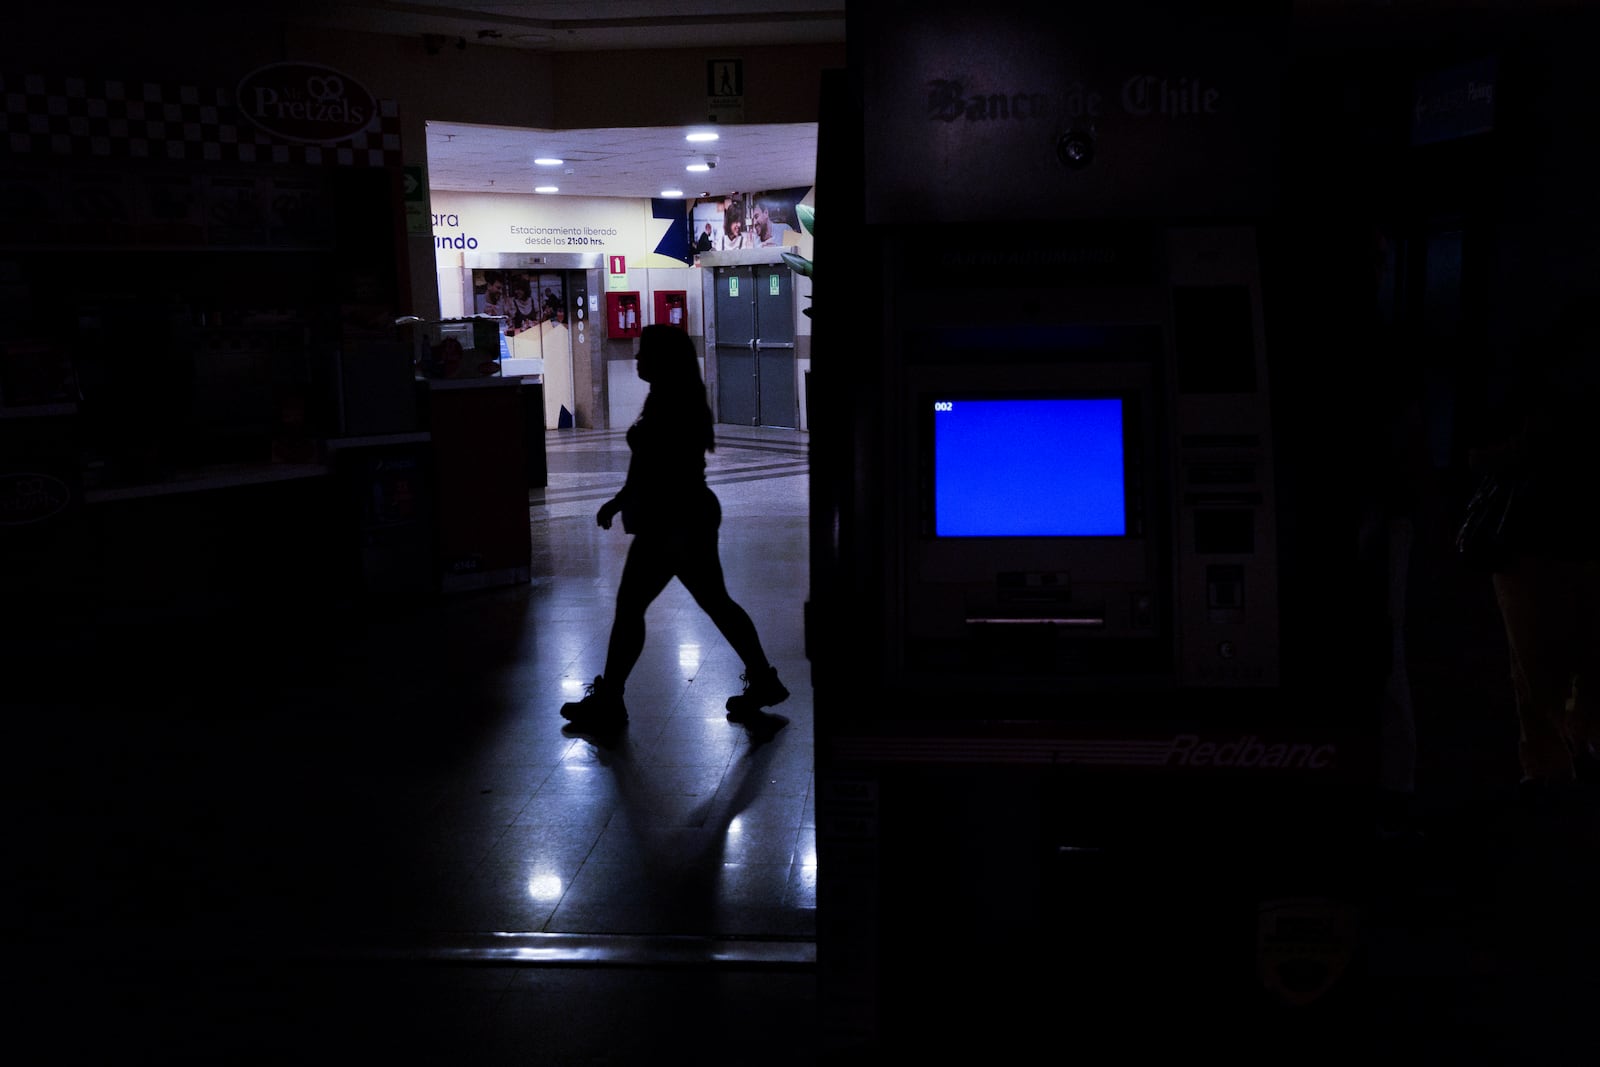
pixel 755 346
pixel 546 346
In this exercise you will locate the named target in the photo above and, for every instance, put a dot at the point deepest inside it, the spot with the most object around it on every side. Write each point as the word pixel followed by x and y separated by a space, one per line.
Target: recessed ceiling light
pixel 702 137
pixel 672 192
pixel 698 167
pixel 546 189
pixel 549 161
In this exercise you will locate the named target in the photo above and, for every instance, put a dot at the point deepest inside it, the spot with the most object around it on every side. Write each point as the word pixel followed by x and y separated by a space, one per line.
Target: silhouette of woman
pixel 1549 589
pixel 673 516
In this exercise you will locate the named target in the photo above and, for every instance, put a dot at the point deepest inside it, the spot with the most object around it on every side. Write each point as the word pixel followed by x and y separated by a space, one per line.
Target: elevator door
pixel 755 346
pixel 538 308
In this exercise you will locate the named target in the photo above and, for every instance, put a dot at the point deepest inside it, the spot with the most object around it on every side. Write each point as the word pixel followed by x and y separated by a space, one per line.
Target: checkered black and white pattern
pixel 56 117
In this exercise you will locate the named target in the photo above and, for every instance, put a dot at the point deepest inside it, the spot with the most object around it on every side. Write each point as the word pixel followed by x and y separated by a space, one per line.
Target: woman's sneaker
pixel 761 690
pixel 1586 763
pixel 600 709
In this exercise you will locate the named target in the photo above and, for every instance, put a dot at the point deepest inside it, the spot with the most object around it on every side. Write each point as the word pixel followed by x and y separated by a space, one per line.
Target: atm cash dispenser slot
pixel 1038 599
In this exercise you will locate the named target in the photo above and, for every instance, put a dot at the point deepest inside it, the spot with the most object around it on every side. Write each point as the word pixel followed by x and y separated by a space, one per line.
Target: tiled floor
pixel 394 847
pixel 385 849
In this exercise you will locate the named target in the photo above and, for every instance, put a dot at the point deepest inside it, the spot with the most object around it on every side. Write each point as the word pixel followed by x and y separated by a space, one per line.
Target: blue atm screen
pixel 1029 468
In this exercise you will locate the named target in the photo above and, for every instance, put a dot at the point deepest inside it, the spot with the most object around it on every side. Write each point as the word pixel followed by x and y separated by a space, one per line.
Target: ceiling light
pixel 549 161
pixel 702 137
pixel 672 192
pixel 698 167
pixel 546 189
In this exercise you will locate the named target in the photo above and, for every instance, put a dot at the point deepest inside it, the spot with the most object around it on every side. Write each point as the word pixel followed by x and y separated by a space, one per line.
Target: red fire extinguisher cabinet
pixel 672 308
pixel 624 316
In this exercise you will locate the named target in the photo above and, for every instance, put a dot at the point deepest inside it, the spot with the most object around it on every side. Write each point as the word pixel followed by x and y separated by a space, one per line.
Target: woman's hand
pixel 607 511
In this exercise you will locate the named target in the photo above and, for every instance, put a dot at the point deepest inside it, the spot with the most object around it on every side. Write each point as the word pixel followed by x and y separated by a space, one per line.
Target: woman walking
pixel 1548 587
pixel 673 516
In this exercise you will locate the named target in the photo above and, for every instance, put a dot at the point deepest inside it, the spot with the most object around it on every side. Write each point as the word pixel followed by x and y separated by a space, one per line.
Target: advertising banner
pixel 509 223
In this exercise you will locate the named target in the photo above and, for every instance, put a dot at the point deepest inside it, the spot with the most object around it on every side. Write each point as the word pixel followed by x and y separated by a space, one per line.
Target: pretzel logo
pixel 326 89
pixel 307 103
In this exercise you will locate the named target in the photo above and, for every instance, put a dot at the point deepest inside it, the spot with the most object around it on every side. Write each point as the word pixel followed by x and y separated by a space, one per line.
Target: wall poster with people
pixel 746 220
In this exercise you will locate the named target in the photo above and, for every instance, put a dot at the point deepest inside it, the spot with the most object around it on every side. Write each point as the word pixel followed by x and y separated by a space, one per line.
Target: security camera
pixel 1075 148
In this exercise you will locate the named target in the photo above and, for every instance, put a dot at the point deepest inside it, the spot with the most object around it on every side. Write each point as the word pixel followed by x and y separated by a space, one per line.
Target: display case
pixel 456 348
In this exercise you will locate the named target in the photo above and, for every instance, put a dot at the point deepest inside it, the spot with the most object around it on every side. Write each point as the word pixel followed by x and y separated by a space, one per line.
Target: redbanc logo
pixel 306 102
pixel 1250 751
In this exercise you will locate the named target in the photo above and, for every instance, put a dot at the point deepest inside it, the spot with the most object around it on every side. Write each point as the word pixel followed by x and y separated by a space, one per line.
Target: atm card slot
pixel 1241 473
pixel 1212 499
pixel 1220 440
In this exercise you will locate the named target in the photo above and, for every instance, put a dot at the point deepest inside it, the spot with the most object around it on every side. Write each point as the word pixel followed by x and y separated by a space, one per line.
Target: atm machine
pixel 1070 777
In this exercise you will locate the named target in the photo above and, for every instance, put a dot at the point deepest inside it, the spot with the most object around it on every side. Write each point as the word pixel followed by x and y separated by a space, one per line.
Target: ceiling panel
pixel 642 162
pixel 632 162
pixel 563 26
